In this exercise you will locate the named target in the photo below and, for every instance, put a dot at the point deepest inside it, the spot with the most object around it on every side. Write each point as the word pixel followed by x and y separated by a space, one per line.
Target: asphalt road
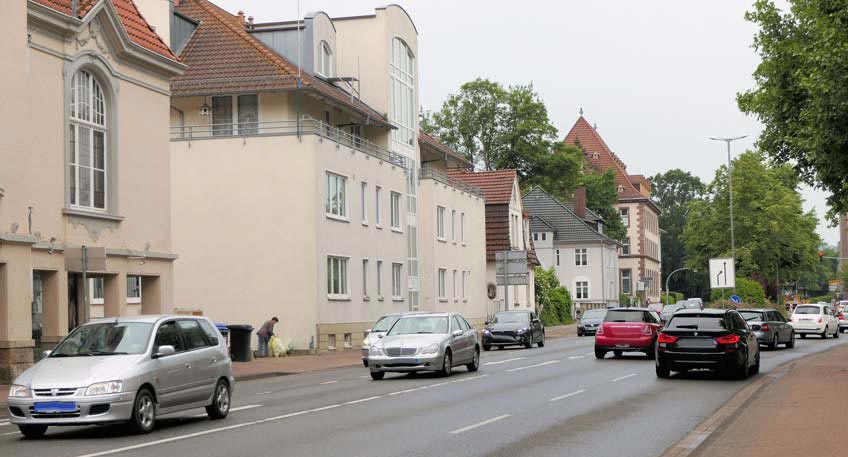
pixel 553 401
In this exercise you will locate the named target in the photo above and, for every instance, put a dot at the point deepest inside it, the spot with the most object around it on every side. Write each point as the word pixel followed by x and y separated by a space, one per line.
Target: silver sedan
pixel 426 342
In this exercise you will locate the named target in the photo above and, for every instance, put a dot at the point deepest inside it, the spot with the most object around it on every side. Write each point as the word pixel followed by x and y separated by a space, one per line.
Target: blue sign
pixel 735 299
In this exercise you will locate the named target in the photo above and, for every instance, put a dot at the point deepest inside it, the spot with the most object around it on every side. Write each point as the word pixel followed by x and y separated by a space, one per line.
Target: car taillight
pixel 648 330
pixel 666 338
pixel 841 317
pixel 820 320
pixel 600 330
pixel 764 327
pixel 727 339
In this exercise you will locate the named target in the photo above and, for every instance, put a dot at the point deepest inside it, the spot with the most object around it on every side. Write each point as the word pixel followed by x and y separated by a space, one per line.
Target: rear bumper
pixel 764 337
pixel 641 343
pixel 808 328
pixel 677 361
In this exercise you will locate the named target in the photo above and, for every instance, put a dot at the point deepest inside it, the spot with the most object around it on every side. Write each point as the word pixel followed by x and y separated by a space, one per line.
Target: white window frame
pixel 453 284
pixel 441 284
pixel 629 281
pixel 440 223
pixel 343 292
pixel 625 216
pixel 364 202
pixel 378 219
pixel 453 225
pixel 326 60
pixel 333 178
pixel 394 202
pixel 131 299
pixel 581 290
pixel 581 257
pixel 403 111
pixel 93 298
pixel 464 285
pixel 462 228
pixel 365 279
pixel 91 114
pixel 397 281
pixel 380 279
pixel 625 246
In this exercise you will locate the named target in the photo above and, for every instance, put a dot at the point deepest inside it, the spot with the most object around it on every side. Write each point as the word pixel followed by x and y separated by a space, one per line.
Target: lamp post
pixel 730 188
pixel 669 277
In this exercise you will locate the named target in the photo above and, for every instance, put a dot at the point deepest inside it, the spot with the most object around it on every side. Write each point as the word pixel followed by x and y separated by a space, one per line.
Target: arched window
pixel 326 60
pixel 403 110
pixel 88 140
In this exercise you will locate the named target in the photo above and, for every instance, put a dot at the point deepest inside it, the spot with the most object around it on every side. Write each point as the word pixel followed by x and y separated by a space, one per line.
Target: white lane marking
pixel 623 377
pixel 4 423
pixel 479 424
pixel 232 410
pixel 265 393
pixel 328 382
pixel 363 400
pixel 590 353
pixel 470 378
pixel 575 357
pixel 404 391
pixel 533 366
pixel 504 361
pixel 435 385
pixel 563 397
pixel 364 377
pixel 207 432
pixel 7 434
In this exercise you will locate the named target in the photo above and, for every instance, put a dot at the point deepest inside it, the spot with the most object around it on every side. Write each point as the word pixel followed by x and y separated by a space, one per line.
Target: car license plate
pixel 622 345
pixel 700 343
pixel 805 320
pixel 54 407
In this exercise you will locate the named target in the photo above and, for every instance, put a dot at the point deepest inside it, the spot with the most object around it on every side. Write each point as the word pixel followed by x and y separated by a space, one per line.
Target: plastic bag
pixel 276 348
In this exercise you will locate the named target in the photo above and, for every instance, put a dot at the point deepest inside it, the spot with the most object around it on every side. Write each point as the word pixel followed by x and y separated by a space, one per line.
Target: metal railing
pixel 285 128
pixel 430 173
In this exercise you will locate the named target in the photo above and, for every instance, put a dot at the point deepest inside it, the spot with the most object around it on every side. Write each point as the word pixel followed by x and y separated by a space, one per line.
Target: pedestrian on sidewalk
pixel 265 333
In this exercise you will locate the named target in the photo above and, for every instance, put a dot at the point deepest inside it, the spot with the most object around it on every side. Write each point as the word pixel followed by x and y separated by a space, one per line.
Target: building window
pixel 404 109
pixel 535 237
pixel 557 257
pixel 96 288
pixel 440 222
pixel 331 342
pixel 336 195
pixel 88 140
pixel 581 257
pixel 581 290
pixel 625 216
pixel 222 115
pixel 326 68
pixel 453 225
pixel 378 213
pixel 365 278
pixel 397 292
pixel 379 279
pixel 395 201
pixel 363 203
pixel 625 246
pixel 133 289
pixel 442 277
pixel 462 228
pixel 248 114
pixel 544 236
pixel 464 290
pixel 453 284
pixel 626 282
pixel 337 277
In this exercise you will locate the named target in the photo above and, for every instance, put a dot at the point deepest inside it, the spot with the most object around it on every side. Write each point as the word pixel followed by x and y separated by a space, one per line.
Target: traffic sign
pixel 722 273
pixel 514 280
pixel 736 299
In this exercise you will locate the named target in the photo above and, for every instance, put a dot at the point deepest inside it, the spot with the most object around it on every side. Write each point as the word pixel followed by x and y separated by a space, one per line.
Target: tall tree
pixel 672 191
pixel 601 197
pixel 801 93
pixel 772 230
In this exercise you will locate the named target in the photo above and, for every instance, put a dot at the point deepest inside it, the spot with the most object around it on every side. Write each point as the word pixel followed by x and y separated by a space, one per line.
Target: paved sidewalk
pixel 802 412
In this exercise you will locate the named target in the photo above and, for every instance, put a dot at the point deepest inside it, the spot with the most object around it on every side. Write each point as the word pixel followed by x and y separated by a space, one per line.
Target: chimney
pixel 250 22
pixel 580 202
pixel 241 16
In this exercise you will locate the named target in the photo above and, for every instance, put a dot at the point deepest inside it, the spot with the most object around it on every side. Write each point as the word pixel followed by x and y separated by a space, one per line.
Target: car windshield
pixel 702 322
pixel 751 315
pixel 671 308
pixel 511 318
pixel 595 314
pixel 624 316
pixel 385 323
pixel 108 338
pixel 420 324
pixel 808 310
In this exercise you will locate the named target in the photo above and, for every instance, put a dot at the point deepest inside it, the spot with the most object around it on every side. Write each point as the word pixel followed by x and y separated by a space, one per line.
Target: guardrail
pixel 430 173
pixel 285 128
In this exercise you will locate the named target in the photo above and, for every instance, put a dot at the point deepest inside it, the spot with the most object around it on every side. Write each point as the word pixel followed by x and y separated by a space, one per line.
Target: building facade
pixel 77 170
pixel 640 264
pixel 569 238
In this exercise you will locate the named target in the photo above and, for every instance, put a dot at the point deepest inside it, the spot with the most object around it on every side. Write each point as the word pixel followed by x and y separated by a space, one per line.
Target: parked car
pixel 817 319
pixel 425 342
pixel 627 330
pixel 689 304
pixel 715 339
pixel 699 301
pixel 509 328
pixel 770 327
pixel 125 369
pixel 379 330
pixel 669 310
pixel 588 323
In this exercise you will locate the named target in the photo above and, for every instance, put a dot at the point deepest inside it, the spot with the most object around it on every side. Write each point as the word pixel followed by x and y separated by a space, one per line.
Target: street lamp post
pixel 730 189
pixel 667 278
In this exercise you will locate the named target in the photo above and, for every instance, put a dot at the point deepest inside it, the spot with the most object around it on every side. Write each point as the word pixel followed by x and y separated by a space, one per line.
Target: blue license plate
pixel 54 407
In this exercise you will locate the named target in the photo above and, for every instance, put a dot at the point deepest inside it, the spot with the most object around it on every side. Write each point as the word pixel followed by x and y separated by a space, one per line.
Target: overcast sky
pixel 658 77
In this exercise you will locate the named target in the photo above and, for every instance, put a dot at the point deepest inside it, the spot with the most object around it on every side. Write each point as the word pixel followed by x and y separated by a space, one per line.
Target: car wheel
pixel 487 347
pixel 378 375
pixel 662 371
pixel 32 431
pixel 803 336
pixel 541 343
pixel 836 333
pixel 220 406
pixel 773 344
pixel 600 353
pixel 616 354
pixel 651 352
pixel 475 362
pixel 579 333
pixel 756 368
pixel 791 343
pixel 528 343
pixel 144 413
pixel 742 372
pixel 824 333
pixel 446 365
pixel 365 362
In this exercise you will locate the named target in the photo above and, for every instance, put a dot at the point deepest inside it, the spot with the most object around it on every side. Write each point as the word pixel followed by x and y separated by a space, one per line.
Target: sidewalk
pixel 795 413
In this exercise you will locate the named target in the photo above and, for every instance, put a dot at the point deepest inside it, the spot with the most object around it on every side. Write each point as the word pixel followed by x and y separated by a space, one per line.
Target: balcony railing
pixel 430 173
pixel 285 128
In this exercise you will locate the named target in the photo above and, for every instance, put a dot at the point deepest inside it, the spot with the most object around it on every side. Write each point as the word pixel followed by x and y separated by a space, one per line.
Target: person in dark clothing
pixel 265 333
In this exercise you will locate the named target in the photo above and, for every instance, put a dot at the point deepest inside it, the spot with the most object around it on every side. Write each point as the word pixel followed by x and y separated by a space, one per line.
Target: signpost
pixel 84 259
pixel 722 273
pixel 510 270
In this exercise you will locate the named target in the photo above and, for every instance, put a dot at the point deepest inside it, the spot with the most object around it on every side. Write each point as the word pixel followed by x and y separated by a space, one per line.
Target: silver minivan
pixel 125 369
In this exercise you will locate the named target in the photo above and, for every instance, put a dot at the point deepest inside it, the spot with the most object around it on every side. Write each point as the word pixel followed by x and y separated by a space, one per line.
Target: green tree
pixel 559 172
pixel 772 231
pixel 601 197
pixel 553 301
pixel 672 191
pixel 801 92
pixel 748 290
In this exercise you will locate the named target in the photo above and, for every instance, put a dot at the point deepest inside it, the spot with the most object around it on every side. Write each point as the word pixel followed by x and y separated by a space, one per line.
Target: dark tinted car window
pixel 195 337
pixel 385 323
pixel 616 315
pixel 464 323
pixel 697 322
pixel 808 310
pixel 754 316
pixel 211 333
pixel 169 335
pixel 738 322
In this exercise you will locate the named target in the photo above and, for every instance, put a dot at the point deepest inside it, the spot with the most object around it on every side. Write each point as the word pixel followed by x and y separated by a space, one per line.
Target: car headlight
pixel 365 341
pixel 520 331
pixel 104 388
pixel 18 391
pixel 375 350
pixel 431 349
pixel 486 331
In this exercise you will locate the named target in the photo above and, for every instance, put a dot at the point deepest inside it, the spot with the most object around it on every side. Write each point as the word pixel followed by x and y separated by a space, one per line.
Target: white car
pixel 816 319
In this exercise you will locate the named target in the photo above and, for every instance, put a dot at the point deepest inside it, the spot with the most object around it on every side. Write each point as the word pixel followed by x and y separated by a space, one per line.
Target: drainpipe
pixel 75 8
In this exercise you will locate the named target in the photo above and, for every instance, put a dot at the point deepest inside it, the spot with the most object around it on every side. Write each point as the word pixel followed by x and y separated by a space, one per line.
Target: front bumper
pixel 588 330
pixel 505 339
pixel 428 362
pixel 641 343
pixel 364 351
pixel 90 410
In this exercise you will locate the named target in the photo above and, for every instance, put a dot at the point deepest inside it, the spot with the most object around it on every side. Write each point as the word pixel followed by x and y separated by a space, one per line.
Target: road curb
pixel 725 413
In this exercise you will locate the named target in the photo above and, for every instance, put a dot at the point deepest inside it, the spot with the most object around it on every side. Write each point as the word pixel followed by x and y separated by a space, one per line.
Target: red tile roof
pixel 497 185
pixel 138 29
pixel 427 140
pixel 222 58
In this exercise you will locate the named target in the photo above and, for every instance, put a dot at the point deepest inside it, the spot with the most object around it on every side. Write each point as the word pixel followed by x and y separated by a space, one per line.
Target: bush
pixel 553 301
pixel 824 298
pixel 673 297
pixel 749 291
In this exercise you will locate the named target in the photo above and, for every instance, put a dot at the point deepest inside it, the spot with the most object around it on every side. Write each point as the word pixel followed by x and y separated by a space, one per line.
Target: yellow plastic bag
pixel 276 348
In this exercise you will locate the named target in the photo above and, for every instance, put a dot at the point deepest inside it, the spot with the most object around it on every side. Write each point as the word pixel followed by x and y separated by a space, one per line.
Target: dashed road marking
pixel 479 424
pixel 328 382
pixel 362 400
pixel 549 362
pixel 232 410
pixel 563 397
pixel 504 361
pixel 623 377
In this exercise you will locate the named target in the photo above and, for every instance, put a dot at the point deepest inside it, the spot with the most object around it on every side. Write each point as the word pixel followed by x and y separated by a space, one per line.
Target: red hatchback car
pixel 628 330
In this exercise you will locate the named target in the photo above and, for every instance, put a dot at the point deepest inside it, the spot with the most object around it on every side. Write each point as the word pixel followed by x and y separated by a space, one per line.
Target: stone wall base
pixel 13 362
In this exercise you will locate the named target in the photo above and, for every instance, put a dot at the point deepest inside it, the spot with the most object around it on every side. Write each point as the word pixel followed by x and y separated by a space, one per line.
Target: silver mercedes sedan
pixel 426 342
pixel 125 369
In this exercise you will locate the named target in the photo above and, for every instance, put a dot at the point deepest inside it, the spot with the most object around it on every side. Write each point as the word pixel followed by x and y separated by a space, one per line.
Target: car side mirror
pixel 536 321
pixel 380 335
pixel 46 354
pixel 457 333
pixel 164 351
pixel 486 323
